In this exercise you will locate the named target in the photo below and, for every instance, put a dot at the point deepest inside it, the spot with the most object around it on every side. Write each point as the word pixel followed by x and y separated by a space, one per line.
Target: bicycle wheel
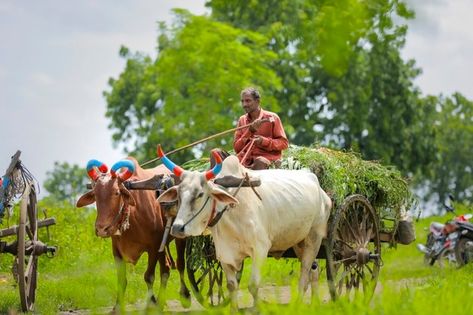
pixel 26 259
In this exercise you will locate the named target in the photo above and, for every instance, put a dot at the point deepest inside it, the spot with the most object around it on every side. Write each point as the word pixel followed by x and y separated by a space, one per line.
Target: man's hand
pixel 256 124
pixel 258 140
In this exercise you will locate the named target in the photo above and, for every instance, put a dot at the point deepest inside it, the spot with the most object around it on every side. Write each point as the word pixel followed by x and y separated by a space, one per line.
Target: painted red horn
pixel 92 167
pixel 217 168
pixel 127 165
pixel 176 169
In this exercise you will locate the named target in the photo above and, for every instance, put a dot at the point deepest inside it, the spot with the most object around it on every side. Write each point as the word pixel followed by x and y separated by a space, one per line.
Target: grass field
pixel 82 278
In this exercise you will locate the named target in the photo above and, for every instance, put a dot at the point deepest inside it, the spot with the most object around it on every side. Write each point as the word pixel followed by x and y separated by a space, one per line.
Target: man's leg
pixel 261 163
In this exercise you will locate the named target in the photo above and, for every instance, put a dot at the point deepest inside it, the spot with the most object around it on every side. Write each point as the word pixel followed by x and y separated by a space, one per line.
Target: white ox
pixel 293 212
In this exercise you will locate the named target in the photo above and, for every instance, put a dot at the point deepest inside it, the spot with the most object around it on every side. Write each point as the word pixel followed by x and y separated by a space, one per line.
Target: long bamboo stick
pixel 200 141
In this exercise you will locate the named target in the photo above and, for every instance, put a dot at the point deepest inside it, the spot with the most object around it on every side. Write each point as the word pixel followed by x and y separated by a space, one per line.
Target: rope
pixel 18 180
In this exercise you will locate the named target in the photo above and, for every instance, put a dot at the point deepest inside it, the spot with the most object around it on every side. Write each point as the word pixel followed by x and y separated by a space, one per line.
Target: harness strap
pixel 217 218
pixel 122 221
pixel 212 214
pixel 198 212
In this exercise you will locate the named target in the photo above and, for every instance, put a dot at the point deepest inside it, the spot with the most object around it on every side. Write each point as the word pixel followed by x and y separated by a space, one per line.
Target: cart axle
pixel 37 248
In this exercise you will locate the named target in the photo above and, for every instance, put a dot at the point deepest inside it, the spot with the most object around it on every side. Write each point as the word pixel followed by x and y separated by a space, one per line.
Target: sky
pixel 56 58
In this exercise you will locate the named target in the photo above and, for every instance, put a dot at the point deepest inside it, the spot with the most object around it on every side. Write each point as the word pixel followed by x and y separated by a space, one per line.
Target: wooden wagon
pixel 367 212
pixel 368 203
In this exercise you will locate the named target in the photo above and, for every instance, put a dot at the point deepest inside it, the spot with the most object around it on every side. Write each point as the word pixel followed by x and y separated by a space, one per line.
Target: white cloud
pixel 41 79
pixel 55 61
pixel 441 41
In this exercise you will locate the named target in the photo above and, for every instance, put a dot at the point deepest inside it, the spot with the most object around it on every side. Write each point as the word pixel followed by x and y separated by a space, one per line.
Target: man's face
pixel 248 103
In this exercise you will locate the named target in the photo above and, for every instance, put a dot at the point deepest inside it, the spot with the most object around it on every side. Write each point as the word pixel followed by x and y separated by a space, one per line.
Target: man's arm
pixel 279 141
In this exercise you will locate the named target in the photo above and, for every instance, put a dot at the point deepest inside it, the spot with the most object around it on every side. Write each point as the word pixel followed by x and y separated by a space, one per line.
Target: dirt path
pixel 269 294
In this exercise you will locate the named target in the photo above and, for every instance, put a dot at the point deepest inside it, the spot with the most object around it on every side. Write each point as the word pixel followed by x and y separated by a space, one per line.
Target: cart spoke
pixel 354 235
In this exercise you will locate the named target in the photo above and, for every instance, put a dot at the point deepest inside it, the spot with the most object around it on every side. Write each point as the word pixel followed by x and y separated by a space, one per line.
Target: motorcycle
pixel 450 243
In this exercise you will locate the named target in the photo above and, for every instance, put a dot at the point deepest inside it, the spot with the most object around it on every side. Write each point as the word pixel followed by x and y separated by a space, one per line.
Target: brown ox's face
pixel 109 194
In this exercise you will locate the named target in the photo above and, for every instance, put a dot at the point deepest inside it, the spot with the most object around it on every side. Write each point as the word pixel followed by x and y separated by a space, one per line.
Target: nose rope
pixel 198 212
pixel 125 224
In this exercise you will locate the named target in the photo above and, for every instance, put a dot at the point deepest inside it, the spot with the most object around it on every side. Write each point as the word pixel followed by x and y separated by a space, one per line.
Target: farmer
pixel 261 144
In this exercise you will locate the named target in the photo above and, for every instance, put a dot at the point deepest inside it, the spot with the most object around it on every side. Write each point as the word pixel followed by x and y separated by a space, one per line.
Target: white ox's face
pixel 197 199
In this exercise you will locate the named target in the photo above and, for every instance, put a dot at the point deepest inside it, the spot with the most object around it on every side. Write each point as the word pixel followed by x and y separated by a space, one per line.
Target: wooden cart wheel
pixel 205 273
pixel 353 248
pixel 26 260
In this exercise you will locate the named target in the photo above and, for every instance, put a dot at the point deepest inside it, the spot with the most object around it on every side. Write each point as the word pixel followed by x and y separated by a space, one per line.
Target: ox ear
pixel 222 196
pixel 127 196
pixel 169 195
pixel 86 199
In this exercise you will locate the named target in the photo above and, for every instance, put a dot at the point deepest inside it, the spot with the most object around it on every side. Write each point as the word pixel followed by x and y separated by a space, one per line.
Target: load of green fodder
pixel 343 173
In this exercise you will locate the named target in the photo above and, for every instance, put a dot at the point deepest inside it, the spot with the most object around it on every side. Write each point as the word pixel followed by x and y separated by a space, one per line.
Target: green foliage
pixel 65 182
pixel 344 173
pixel 341 69
pixel 452 172
pixel 332 70
pixel 192 89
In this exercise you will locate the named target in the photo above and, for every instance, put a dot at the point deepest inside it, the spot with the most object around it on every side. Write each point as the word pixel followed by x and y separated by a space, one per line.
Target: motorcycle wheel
pixel 446 259
pixel 464 251
pixel 428 260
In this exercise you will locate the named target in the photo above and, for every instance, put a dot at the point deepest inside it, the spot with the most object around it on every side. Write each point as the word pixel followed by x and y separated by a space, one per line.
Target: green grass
pixel 82 276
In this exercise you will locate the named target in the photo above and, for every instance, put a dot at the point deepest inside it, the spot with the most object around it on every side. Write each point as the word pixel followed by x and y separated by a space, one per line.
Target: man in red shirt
pixel 261 144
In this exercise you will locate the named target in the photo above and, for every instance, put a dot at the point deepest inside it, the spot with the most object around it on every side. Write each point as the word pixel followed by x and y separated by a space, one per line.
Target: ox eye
pixel 200 195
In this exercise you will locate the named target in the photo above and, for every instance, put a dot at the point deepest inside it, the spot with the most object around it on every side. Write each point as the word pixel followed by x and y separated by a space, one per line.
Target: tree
pixel 345 83
pixel 66 182
pixel 192 88
pixel 332 70
pixel 453 170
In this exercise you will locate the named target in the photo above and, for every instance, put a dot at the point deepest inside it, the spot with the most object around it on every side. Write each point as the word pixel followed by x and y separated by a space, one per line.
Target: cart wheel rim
pixel 26 260
pixel 353 249
pixel 205 273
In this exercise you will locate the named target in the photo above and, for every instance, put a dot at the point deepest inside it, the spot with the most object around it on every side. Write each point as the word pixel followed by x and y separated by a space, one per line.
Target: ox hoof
pixel 117 310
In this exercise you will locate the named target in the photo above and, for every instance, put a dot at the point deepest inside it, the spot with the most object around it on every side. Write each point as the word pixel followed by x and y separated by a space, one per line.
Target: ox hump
pixel 231 166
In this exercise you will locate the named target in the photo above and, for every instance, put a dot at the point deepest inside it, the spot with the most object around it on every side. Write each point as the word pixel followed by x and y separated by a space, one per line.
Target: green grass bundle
pixel 344 173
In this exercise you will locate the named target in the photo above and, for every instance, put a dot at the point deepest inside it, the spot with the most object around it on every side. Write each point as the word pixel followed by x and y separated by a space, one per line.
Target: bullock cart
pixel 369 201
pixel 22 239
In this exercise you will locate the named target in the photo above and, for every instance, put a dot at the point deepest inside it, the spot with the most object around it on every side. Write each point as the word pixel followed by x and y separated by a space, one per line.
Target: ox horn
pixel 127 164
pixel 91 169
pixel 176 169
pixel 217 168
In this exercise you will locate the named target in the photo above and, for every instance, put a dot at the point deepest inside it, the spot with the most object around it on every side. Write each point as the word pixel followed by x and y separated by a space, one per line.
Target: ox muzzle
pixel 177 230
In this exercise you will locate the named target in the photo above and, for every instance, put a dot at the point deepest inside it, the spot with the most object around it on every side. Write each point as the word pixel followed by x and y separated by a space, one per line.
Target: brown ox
pixel 134 221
